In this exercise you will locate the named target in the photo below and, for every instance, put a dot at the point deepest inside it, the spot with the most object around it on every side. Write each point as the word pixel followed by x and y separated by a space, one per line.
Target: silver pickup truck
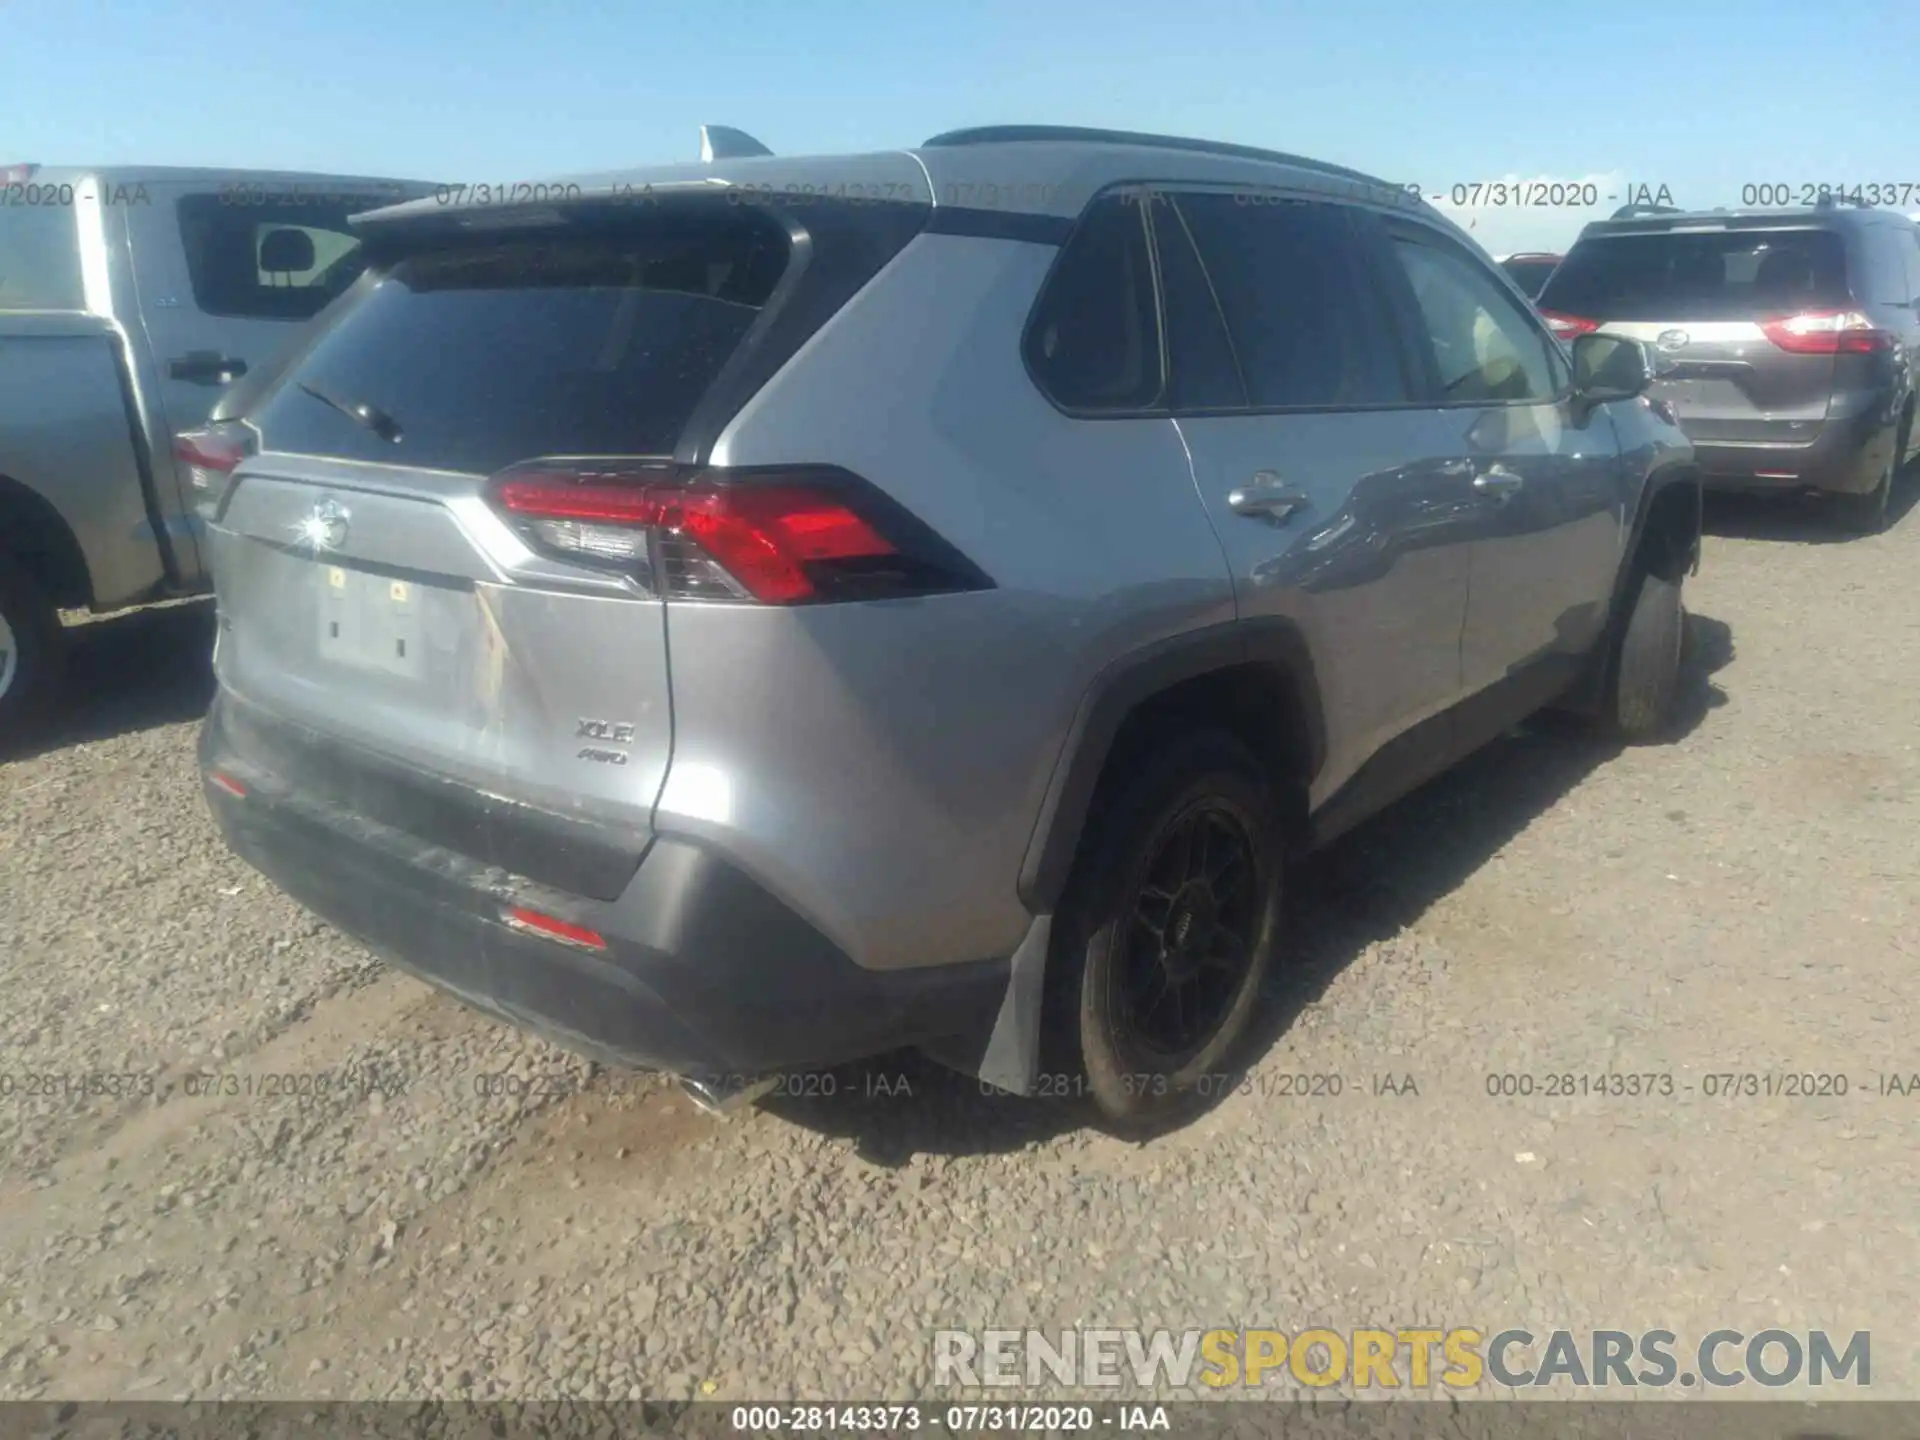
pixel 130 299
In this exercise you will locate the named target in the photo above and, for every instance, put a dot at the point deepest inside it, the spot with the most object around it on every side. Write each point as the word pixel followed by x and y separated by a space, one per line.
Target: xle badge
pixel 620 732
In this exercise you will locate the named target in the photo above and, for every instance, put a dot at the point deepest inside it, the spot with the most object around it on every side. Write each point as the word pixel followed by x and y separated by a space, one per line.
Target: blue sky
pixel 1704 96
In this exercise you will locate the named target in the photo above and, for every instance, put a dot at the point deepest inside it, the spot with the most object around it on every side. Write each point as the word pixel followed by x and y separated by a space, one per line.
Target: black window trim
pixel 1399 227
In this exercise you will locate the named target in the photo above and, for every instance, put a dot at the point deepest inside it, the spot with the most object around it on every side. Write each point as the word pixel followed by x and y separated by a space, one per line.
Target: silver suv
pixel 746 616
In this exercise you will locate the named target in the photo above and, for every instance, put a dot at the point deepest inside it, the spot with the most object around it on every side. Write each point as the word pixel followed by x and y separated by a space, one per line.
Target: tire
pixel 32 657
pixel 1646 663
pixel 1199 807
pixel 1867 514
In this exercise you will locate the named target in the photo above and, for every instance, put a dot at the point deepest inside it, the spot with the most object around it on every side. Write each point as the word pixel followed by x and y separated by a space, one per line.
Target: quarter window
pixel 1094 342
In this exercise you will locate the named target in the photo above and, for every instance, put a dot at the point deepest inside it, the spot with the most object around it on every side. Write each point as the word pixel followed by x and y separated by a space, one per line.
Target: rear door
pixel 1722 304
pixel 368 590
pixel 1322 476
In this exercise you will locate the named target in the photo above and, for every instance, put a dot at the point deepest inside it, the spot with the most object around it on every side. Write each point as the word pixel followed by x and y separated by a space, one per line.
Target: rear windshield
pixel 565 344
pixel 39 258
pixel 1717 275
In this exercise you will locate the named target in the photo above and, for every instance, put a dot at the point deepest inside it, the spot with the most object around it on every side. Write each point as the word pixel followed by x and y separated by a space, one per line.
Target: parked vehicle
pixel 1789 339
pixel 1529 270
pixel 128 298
pixel 758 665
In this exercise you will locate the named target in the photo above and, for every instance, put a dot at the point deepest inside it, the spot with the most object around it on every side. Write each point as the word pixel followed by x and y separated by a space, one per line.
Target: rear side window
pixel 40 258
pixel 595 343
pixel 1204 370
pixel 1094 341
pixel 1706 275
pixel 270 261
pixel 1306 332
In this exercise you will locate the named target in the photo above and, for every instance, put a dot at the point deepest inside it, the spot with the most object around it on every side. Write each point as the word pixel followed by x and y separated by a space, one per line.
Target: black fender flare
pixel 1117 691
pixel 1680 472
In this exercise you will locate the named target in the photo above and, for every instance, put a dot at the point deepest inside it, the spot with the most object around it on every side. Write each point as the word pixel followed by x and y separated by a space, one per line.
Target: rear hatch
pixel 1743 319
pixel 376 589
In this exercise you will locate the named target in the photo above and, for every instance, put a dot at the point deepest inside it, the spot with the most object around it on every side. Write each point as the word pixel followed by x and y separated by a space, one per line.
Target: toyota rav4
pixel 751 615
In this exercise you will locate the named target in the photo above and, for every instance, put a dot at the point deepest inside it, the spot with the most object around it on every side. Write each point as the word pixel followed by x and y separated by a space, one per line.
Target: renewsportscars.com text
pixel 1391 1358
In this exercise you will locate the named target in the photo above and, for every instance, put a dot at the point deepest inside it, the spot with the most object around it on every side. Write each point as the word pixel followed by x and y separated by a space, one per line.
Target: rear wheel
pixel 31 655
pixel 1646 666
pixel 1867 514
pixel 1168 929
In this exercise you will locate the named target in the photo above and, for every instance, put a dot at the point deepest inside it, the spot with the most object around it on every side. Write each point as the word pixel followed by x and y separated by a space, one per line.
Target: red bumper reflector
pixel 227 783
pixel 554 928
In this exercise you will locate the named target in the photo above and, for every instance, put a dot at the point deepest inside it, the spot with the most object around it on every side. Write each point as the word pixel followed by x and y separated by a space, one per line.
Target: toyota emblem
pixel 326 527
pixel 1673 340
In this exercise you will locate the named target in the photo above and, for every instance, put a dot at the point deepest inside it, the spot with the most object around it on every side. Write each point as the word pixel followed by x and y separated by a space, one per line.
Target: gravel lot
pixel 1739 900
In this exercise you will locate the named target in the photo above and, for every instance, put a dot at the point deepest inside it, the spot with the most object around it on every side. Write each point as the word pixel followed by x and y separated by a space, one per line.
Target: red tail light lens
pixel 212 455
pixel 1568 327
pixel 1828 332
pixel 775 537
pixel 554 928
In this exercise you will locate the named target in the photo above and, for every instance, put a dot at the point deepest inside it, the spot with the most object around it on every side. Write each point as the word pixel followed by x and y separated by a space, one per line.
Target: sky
pixel 1704 97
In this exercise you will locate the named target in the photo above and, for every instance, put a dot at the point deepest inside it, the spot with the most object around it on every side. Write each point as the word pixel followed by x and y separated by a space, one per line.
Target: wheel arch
pixel 33 535
pixel 1254 680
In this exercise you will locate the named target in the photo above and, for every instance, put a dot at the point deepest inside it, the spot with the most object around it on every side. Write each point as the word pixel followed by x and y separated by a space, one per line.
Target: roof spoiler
pixel 1634 212
pixel 723 142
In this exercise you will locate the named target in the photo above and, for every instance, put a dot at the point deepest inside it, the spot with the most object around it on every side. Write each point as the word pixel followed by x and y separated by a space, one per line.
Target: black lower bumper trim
pixel 705 973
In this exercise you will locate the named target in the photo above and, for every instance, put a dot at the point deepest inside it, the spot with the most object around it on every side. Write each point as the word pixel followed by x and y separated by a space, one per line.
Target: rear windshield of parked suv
pixel 1712 275
pixel 562 343
pixel 39 258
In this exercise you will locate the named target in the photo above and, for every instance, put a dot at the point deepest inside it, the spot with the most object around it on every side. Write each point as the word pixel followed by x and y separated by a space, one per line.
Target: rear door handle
pixel 1497 481
pixel 1266 496
pixel 205 365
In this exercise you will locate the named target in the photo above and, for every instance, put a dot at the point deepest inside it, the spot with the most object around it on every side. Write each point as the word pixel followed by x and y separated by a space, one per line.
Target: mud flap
pixel 1011 1058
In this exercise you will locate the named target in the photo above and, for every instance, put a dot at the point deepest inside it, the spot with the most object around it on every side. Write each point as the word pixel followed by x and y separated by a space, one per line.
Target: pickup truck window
pixel 39 258
pixel 277 260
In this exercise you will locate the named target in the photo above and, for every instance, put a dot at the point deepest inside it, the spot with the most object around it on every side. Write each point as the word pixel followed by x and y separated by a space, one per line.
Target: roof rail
pixel 1022 134
pixel 1634 212
pixel 1832 200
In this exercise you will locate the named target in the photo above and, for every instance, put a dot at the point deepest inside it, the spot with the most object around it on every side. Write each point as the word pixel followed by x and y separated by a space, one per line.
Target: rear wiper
pixel 371 416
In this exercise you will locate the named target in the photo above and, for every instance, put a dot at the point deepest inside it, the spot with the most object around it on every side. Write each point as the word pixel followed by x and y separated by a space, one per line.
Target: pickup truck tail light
pixel 1568 327
pixel 210 457
pixel 1828 332
pixel 774 536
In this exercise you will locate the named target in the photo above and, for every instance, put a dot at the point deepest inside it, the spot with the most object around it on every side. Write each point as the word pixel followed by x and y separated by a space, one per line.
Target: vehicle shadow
pixel 130 672
pixel 1363 889
pixel 1800 519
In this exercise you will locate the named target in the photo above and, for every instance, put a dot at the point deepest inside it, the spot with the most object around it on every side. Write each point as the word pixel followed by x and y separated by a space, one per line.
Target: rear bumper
pixel 1846 458
pixel 704 973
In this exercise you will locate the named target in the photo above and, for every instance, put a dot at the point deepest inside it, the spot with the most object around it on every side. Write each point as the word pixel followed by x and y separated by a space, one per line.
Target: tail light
pixel 211 456
pixel 1568 327
pixel 772 536
pixel 1828 332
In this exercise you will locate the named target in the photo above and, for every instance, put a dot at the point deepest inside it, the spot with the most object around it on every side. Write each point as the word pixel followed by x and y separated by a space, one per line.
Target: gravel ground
pixel 455 1210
